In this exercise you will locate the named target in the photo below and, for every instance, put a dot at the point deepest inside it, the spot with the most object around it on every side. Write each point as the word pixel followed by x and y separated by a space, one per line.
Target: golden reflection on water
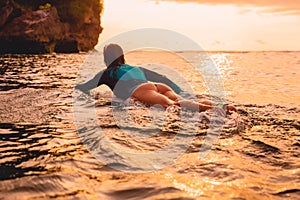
pixel 270 77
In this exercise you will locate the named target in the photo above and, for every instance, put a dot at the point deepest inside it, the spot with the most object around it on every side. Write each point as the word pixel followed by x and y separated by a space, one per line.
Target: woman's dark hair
pixel 113 57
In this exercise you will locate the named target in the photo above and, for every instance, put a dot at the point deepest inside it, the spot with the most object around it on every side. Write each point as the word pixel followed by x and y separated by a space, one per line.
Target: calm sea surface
pixel 42 155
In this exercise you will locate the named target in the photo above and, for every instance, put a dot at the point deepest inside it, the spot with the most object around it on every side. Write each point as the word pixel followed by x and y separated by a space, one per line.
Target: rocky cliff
pixel 43 26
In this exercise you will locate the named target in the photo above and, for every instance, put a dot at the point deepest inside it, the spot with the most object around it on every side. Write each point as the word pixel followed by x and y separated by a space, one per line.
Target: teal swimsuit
pixel 129 74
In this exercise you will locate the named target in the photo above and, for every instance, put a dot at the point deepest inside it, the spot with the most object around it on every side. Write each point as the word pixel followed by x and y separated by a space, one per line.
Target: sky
pixel 216 25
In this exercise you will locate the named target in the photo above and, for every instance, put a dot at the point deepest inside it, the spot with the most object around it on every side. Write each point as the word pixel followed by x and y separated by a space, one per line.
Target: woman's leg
pixel 167 91
pixel 163 95
pixel 227 108
pixel 193 105
pixel 148 93
pixel 207 102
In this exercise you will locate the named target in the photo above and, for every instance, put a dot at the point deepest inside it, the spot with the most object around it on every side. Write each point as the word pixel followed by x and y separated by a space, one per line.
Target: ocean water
pixel 44 156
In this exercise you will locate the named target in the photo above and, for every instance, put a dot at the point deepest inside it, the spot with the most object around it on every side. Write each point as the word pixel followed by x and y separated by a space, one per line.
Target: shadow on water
pixel 19 145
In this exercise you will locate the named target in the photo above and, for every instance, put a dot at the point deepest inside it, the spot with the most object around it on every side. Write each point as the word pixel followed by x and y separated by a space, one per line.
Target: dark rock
pixel 32 32
pixel 66 26
pixel 67 46
pixel 6 10
pixel 83 17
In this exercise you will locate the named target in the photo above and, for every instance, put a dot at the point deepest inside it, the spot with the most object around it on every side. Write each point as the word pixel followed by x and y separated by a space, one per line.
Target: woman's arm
pixel 91 84
pixel 156 77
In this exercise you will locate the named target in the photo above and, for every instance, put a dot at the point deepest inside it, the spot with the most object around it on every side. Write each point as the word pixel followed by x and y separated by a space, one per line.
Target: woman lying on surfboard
pixel 128 81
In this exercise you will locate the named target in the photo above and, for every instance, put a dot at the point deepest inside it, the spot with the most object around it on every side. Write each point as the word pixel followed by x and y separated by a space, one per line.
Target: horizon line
pixel 220 51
